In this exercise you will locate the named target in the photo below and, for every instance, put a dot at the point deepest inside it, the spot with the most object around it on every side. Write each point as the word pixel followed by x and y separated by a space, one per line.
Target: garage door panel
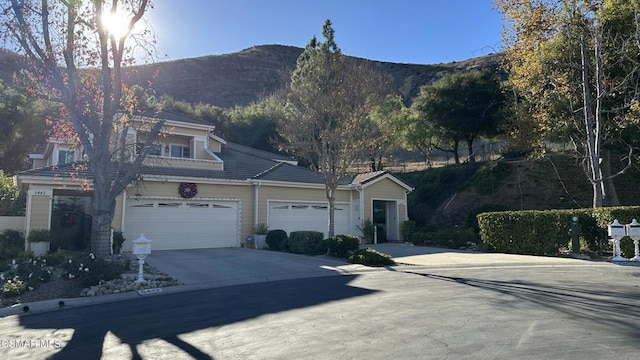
pixel 184 224
pixel 307 216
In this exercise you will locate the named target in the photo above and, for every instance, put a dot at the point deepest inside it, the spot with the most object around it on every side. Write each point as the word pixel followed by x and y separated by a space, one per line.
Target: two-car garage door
pixel 182 224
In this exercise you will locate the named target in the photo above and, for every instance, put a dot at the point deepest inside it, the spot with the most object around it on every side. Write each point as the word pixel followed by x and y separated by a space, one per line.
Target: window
pixel 156 149
pixel 180 151
pixel 66 156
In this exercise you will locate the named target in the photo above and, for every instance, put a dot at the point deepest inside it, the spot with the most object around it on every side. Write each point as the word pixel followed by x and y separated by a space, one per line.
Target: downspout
pixel 256 197
pixel 361 201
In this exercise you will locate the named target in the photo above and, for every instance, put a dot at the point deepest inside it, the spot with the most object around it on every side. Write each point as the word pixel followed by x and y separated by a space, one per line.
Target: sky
pixel 400 31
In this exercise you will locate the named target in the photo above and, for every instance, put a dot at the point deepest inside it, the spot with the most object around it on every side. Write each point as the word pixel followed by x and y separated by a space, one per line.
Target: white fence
pixel 17 223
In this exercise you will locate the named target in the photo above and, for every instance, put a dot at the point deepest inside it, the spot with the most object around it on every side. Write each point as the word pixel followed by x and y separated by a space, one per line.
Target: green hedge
pixel 370 257
pixel 307 242
pixel 453 239
pixel 277 240
pixel 546 232
pixel 342 245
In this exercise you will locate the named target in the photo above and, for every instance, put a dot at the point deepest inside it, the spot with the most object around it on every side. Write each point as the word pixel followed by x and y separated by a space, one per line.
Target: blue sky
pixel 402 31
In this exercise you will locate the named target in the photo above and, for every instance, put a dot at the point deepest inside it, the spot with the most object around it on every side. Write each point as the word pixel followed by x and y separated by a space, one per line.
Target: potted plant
pixel 39 241
pixel 260 235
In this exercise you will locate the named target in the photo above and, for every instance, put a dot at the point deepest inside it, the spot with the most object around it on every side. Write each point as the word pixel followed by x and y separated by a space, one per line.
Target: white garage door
pixel 307 216
pixel 182 224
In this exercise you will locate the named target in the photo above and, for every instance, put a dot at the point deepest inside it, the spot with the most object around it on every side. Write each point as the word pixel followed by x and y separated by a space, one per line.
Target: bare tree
pixel 78 50
pixel 329 100
pixel 574 65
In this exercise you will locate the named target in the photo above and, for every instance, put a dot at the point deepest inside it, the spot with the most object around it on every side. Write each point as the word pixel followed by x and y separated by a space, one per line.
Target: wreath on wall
pixel 188 190
pixel 68 220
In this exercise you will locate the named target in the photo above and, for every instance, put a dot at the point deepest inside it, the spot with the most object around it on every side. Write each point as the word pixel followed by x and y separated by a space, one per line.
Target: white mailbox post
pixel 633 230
pixel 617 231
pixel 141 248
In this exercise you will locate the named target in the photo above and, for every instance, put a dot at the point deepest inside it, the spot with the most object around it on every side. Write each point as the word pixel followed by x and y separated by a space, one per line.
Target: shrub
pixel 546 232
pixel 367 230
pixel 261 229
pixel 370 257
pixel 342 245
pixel 55 258
pixel 118 240
pixel 306 242
pixel 422 238
pixel 408 228
pixel 277 240
pixel 13 288
pixel 39 235
pixel 627 248
pixel 453 238
pixel 92 270
pixel 11 244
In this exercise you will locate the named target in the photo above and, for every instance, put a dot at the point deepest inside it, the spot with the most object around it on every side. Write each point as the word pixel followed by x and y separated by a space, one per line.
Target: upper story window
pixel 156 149
pixel 66 156
pixel 180 151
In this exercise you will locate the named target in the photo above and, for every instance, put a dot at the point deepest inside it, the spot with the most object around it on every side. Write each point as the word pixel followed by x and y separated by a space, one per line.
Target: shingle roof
pixel 240 163
pixel 173 116
pixel 362 179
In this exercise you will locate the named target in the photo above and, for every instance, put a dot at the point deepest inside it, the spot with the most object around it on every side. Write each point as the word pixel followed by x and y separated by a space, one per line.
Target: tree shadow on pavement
pixel 168 316
pixel 615 307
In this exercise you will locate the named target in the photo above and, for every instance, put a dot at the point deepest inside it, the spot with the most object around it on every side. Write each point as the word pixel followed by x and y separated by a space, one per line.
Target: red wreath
pixel 68 220
pixel 188 190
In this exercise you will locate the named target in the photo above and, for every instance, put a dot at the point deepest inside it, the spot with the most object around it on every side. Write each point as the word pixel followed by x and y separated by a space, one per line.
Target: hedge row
pixel 312 243
pixel 545 232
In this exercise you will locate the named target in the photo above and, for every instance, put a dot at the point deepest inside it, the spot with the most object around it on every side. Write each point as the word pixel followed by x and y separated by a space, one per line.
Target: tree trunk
pixel 472 156
pixel 591 130
pixel 332 213
pixel 610 193
pixel 456 154
pixel 103 215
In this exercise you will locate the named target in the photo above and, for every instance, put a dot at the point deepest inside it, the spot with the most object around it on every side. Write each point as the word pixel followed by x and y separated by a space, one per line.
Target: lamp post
pixel 617 231
pixel 633 231
pixel 141 248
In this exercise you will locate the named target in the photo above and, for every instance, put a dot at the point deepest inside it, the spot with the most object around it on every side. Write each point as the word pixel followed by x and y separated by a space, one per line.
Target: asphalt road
pixel 494 312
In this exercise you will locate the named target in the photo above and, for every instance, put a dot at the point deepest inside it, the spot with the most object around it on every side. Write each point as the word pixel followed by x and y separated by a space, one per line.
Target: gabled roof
pixel 371 178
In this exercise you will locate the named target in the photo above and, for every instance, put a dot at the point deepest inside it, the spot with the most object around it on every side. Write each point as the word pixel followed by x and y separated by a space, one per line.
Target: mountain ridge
pixel 243 77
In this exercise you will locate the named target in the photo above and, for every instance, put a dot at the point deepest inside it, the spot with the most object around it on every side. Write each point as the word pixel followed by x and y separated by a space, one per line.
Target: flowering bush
pixel 91 270
pixel 13 287
pixel 23 274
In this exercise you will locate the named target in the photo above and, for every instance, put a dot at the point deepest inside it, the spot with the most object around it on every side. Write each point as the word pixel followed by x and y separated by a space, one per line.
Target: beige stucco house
pixel 196 190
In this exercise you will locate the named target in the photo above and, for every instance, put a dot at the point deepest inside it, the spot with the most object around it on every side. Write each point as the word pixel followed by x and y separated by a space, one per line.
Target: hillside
pixel 242 77
pixel 449 197
pixel 245 76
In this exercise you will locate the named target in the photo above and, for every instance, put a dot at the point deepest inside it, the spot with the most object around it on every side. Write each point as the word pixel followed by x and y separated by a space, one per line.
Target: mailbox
pixel 616 230
pixel 141 246
pixel 633 229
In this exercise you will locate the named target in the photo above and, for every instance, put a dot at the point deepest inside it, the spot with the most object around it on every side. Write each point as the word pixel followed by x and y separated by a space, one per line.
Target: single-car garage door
pixel 182 224
pixel 295 216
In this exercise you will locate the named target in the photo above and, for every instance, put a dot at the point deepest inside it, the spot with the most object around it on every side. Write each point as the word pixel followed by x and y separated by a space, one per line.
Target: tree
pixel 386 123
pixel 22 127
pixel 77 50
pixel 329 99
pixel 461 107
pixel 575 71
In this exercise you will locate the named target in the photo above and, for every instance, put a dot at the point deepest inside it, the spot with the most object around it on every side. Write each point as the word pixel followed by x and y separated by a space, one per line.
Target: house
pixel 196 190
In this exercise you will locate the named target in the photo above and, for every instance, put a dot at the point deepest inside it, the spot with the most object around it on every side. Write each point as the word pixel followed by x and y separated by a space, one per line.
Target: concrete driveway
pixel 439 257
pixel 234 266
pixel 207 268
